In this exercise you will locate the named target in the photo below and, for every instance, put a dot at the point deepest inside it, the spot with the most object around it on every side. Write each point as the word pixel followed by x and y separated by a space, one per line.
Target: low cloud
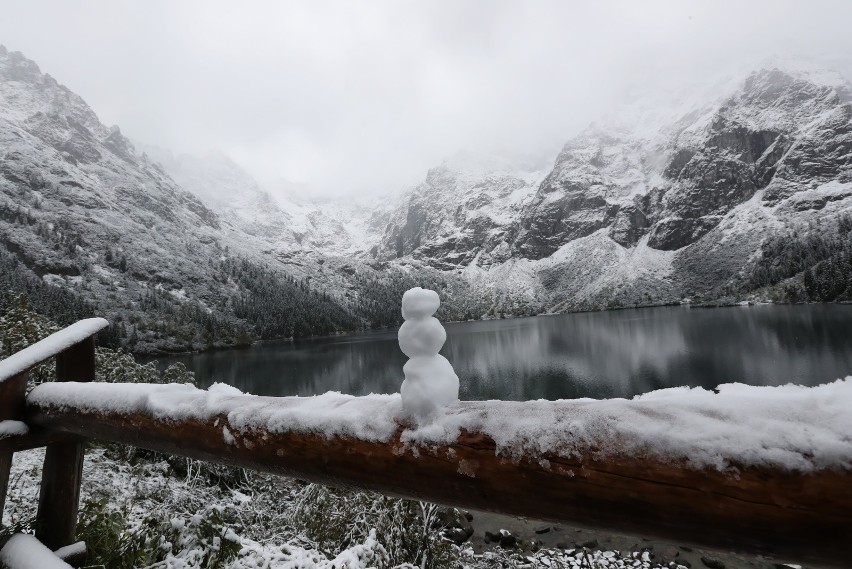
pixel 348 97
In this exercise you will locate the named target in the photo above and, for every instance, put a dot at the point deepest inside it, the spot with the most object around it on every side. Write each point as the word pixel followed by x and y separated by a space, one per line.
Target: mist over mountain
pixel 649 209
pixel 658 204
pixel 84 212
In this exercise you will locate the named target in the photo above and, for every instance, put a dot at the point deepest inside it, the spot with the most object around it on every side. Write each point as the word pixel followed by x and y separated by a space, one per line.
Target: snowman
pixel 430 382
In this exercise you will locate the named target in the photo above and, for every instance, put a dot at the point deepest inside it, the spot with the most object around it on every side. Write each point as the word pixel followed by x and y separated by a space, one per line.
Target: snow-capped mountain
pixel 85 186
pixel 465 212
pixel 656 204
pixel 81 209
pixel 636 213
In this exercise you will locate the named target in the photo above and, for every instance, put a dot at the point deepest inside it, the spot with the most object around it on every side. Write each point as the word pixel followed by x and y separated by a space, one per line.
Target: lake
pixel 595 354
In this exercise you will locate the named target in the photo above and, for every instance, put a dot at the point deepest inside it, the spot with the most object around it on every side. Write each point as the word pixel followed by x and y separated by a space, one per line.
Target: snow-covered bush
pixel 20 326
pixel 410 531
pixel 115 539
pixel 118 366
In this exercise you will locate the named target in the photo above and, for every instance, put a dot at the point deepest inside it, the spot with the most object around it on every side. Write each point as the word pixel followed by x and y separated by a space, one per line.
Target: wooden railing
pixel 792 516
pixel 59 494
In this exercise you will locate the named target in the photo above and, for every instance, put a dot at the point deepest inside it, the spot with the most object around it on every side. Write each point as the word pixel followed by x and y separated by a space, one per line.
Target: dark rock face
pixel 733 163
pixel 582 194
pixel 550 222
pixel 69 137
pixel 671 234
pixel 819 155
pixel 629 226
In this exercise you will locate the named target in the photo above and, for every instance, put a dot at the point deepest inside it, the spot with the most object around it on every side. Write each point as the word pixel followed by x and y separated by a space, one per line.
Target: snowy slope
pixel 465 212
pixel 281 221
pixel 84 190
pixel 82 209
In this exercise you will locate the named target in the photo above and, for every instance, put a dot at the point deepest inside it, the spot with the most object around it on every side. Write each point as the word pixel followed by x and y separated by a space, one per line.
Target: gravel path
pixel 559 536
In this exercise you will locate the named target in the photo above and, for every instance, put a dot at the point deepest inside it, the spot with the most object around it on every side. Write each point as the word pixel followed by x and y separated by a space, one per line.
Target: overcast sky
pixel 365 96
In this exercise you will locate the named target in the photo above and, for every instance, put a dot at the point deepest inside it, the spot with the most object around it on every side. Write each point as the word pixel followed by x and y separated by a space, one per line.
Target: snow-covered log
pixel 762 470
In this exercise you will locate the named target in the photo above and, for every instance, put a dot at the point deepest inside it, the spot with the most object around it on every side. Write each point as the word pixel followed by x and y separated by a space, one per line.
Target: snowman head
pixel 419 303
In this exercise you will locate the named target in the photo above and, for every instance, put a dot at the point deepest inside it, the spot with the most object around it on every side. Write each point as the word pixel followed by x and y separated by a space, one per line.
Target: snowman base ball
pixel 430 384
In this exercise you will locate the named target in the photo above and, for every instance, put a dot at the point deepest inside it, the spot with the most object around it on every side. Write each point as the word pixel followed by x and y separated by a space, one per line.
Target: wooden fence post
pixel 59 499
pixel 12 402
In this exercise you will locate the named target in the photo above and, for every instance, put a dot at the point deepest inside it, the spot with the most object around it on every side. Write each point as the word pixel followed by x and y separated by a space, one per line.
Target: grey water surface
pixel 596 354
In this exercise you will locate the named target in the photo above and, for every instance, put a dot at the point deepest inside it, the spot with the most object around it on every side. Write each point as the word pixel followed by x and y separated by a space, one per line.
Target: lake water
pixel 597 354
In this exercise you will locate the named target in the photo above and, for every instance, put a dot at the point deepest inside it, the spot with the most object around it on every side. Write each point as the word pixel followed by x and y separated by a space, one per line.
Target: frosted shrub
pixel 117 366
pixel 20 327
pixel 113 540
pixel 407 530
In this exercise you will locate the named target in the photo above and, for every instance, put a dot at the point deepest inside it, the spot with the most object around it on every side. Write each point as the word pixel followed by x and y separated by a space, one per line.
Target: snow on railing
pixel 24 551
pixel 764 470
pixel 55 343
pixel 789 428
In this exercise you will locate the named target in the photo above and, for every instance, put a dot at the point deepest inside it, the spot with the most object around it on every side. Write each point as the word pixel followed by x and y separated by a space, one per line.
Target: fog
pixel 357 97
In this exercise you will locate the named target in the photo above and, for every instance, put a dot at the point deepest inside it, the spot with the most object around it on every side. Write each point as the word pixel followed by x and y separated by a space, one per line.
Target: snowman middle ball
pixel 422 337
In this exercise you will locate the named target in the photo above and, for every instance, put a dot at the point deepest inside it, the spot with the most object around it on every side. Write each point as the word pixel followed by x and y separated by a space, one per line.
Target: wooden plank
pixel 790 516
pixel 36 438
pixel 59 497
pixel 12 404
pixel 12 400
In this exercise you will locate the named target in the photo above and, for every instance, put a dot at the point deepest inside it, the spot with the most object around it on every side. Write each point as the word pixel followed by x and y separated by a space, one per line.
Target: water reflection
pixel 600 354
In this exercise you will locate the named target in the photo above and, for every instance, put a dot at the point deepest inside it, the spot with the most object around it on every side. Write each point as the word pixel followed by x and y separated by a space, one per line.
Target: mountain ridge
pixel 628 214
pixel 82 210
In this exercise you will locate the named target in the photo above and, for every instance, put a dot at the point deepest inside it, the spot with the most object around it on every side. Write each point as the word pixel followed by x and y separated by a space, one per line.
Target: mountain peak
pixel 14 66
pixel 804 69
pixel 651 113
pixel 773 83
